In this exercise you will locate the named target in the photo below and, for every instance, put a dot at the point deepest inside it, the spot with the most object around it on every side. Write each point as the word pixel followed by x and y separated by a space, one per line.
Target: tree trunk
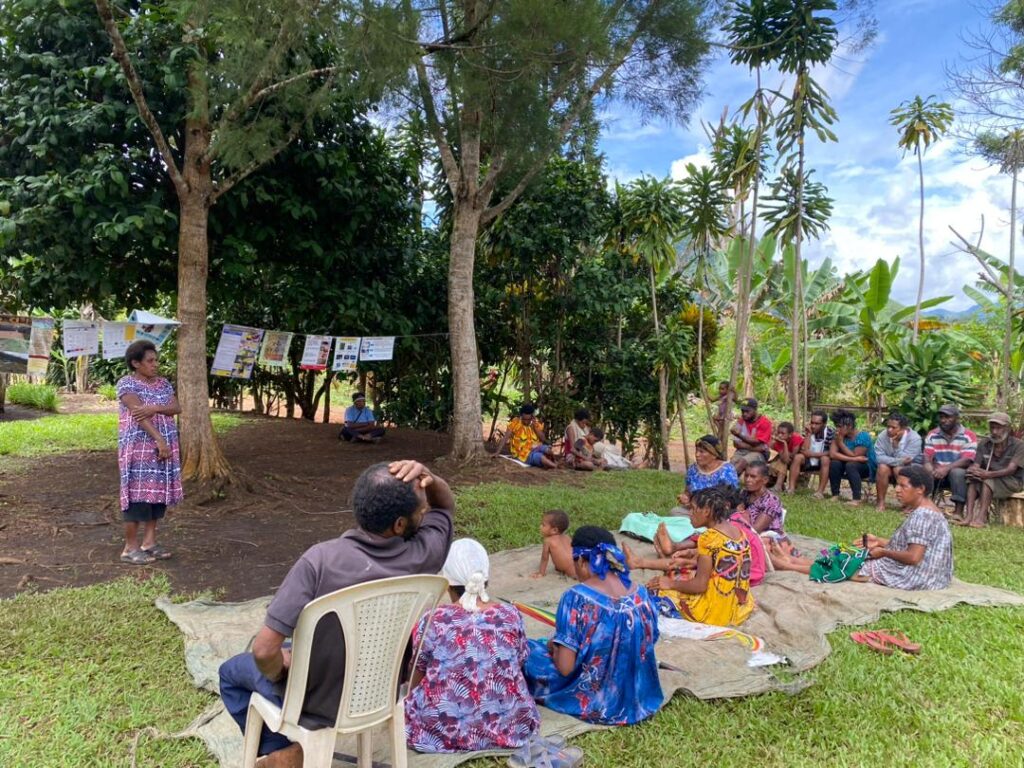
pixel 682 429
pixel 467 439
pixel 920 245
pixel 327 398
pixel 1006 388
pixel 798 290
pixel 748 369
pixel 4 379
pixel 663 427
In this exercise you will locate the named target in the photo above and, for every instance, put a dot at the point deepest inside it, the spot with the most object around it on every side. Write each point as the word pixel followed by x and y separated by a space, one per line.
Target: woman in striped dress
pixel 148 455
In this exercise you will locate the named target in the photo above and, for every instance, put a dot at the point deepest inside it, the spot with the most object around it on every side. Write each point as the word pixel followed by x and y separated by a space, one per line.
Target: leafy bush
pixel 40 396
pixel 107 391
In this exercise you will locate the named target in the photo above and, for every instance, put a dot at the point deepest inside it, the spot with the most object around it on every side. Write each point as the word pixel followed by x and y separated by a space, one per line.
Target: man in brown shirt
pixel 404 526
pixel 997 471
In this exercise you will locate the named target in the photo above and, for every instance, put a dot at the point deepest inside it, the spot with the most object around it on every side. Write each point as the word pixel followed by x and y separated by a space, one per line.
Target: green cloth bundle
pixel 838 563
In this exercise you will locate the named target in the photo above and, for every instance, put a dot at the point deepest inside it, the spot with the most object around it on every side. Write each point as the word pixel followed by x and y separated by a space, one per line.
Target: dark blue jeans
pixel 239 679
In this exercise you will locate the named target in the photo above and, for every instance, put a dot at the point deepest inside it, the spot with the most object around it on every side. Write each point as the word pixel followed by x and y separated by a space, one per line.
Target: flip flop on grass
pixel 868 640
pixel 898 640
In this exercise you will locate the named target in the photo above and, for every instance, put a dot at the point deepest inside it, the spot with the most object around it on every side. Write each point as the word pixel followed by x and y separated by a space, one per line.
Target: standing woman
pixel 147 452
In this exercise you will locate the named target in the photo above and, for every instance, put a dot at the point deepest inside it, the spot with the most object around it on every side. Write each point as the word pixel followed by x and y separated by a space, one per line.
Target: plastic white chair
pixel 377 619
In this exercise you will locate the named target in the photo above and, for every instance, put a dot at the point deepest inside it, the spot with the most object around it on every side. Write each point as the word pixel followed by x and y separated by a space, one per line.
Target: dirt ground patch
pixel 60 524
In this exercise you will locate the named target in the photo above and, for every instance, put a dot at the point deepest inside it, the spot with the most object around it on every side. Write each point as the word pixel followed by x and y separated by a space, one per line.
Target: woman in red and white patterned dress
pixel 148 455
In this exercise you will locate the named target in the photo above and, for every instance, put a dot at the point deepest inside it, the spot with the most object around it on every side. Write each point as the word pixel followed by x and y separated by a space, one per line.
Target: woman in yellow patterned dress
pixel 719 590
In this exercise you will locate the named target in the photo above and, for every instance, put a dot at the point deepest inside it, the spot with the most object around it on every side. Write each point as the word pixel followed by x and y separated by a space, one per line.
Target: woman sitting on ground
pixel 763 508
pixel 600 664
pixel 918 556
pixel 719 590
pixel 468 691
pixel 710 469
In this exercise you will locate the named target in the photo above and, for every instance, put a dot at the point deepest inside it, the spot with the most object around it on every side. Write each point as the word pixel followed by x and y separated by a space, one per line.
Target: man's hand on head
pixel 408 471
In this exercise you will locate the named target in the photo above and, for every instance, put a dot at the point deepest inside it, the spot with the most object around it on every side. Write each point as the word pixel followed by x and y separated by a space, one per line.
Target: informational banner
pixel 377 348
pixel 14 343
pixel 236 352
pixel 40 342
pixel 316 353
pixel 346 353
pixel 116 338
pixel 81 337
pixel 274 352
pixel 150 327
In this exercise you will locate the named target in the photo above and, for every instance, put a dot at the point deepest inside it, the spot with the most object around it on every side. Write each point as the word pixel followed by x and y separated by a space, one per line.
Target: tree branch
pixel 448 161
pixel 120 54
pixel 974 250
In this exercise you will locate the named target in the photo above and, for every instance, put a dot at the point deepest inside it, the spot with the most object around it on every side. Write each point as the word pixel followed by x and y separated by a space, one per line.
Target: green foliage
pixel 921 122
pixel 107 392
pixel 921 377
pixel 40 396
pixel 796 205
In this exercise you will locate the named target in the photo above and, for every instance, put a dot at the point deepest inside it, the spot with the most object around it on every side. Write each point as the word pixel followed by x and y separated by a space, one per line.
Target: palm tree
pixel 649 226
pixel 920 122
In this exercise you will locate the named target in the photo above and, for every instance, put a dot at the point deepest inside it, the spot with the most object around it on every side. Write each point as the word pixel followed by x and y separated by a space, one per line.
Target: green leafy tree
pixel 920 122
pixel 501 86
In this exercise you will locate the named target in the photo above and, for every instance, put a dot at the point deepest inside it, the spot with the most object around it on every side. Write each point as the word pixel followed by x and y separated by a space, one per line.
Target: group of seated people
pixel 583 447
pixel 976 473
pixel 600 663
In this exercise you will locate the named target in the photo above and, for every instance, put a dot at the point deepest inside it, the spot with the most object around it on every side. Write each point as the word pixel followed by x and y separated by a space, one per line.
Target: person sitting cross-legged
pixel 918 556
pixel 949 450
pixel 525 439
pixel 813 455
pixel 997 472
pixel 897 448
pixel 360 422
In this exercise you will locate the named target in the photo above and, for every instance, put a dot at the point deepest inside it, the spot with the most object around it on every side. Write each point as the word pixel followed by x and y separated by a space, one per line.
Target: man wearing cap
pixel 751 435
pixel 949 450
pixel 997 472
pixel 360 422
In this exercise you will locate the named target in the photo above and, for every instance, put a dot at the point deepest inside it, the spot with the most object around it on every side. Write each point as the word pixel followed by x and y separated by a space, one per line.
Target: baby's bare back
pixel 560 547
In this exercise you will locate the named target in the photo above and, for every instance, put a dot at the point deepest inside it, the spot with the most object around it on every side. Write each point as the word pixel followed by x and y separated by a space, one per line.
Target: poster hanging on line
pixel 40 342
pixel 346 353
pixel 274 352
pixel 116 338
pixel 150 327
pixel 81 337
pixel 236 352
pixel 316 353
pixel 14 343
pixel 377 348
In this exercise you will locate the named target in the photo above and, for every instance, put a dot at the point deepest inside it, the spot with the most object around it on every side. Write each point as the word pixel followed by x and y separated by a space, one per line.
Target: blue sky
pixel 874 188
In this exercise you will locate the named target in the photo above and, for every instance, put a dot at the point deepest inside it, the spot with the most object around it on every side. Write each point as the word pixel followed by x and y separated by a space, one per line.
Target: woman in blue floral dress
pixel 600 664
pixel 710 469
pixel 468 692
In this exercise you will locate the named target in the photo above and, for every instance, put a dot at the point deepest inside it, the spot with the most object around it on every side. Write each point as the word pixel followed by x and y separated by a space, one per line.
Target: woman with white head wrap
pixel 470 662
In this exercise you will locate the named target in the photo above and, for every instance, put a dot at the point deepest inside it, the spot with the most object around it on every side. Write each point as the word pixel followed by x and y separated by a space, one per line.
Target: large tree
pixel 501 86
pixel 253 75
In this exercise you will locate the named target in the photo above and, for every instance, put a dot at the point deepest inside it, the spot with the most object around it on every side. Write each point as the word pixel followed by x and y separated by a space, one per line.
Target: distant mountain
pixel 950 316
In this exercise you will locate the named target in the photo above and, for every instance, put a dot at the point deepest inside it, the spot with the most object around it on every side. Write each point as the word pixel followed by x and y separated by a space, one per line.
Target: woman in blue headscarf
pixel 600 664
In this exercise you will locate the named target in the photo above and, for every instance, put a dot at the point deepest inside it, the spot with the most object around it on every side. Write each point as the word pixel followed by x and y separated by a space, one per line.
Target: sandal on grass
pixel 896 639
pixel 137 557
pixel 868 640
pixel 157 552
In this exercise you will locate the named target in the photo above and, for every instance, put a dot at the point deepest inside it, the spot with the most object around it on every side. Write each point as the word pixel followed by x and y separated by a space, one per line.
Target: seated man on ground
pixel 751 435
pixel 525 439
pixel 763 508
pixel 600 665
pixel 403 516
pixel 496 710
pixel 997 472
pixel 813 455
pixel 949 450
pixel 360 422
pixel 897 448
pixel 918 556
pixel 851 454
pixel 786 443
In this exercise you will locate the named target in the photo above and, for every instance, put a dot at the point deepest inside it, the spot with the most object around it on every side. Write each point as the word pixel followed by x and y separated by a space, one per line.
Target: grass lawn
pixel 74 432
pixel 85 669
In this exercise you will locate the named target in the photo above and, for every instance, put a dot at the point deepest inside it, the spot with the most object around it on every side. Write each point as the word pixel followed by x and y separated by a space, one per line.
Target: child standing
pixel 557 545
pixel 719 592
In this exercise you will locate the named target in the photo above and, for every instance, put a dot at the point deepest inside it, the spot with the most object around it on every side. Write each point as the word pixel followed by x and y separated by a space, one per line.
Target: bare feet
pixel 854 502
pixel 819 495
pixel 632 561
pixel 662 541
pixel 289 757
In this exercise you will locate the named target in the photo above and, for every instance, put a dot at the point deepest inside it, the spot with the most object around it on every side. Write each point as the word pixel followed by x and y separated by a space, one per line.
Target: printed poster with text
pixel 346 353
pixel 236 352
pixel 14 343
pixel 274 352
pixel 81 337
pixel 116 339
pixel 316 353
pixel 40 342
pixel 377 348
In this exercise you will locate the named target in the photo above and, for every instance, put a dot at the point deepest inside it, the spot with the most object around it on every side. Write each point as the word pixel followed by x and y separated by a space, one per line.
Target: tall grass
pixel 42 397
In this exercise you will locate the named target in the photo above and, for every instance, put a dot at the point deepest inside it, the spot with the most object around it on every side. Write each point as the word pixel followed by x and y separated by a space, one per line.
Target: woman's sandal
pixel 137 557
pixel 898 640
pixel 158 552
pixel 869 640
